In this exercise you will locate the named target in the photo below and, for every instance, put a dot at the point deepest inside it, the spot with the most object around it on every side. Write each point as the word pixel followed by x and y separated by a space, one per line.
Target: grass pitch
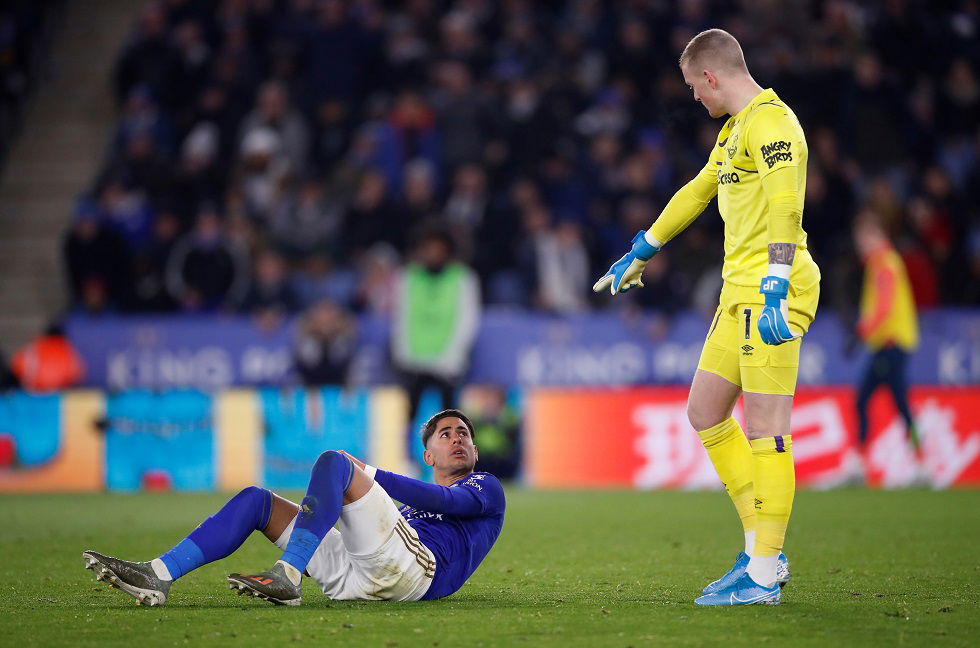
pixel 571 569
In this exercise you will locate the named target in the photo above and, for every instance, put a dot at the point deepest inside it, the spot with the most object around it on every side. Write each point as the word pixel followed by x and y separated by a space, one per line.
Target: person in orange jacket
pixel 48 362
pixel 888 323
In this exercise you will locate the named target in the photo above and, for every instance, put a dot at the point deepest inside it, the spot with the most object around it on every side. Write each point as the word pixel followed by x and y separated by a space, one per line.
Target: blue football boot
pixel 743 591
pixel 741 562
pixel 782 570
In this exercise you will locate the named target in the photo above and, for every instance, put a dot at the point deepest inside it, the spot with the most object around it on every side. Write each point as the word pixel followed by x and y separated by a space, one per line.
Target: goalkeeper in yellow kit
pixel 757 169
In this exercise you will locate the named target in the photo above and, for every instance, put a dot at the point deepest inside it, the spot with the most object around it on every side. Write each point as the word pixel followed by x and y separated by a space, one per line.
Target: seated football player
pixel 425 550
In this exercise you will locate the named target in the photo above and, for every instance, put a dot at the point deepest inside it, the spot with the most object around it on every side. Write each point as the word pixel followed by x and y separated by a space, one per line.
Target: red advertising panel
pixel 641 439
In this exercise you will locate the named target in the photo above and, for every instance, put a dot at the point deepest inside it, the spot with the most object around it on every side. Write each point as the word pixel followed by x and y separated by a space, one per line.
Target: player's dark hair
pixel 429 428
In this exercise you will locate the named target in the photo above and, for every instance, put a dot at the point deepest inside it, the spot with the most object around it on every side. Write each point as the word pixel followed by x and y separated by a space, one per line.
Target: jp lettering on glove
pixel 628 271
pixel 774 321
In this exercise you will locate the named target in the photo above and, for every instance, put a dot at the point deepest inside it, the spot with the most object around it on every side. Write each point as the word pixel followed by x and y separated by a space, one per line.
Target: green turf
pixel 571 569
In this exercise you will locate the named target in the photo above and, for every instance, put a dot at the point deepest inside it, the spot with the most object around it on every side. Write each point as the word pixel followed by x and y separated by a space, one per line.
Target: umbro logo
pixel 747 349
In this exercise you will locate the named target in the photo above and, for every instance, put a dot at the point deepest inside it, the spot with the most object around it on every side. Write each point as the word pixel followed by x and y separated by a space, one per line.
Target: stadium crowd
pixel 272 154
pixel 25 36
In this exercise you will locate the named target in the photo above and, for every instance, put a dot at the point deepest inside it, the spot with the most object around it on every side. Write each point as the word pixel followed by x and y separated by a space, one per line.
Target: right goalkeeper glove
pixel 628 271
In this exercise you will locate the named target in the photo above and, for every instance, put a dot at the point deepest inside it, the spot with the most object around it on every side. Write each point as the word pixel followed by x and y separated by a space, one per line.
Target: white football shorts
pixel 372 554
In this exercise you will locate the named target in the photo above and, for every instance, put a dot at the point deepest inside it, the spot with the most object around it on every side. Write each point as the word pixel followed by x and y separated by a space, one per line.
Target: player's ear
pixel 427 458
pixel 712 79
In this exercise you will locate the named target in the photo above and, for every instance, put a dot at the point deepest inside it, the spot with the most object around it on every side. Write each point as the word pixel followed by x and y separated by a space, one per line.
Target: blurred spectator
pixel 143 115
pixel 126 210
pixel 419 202
pixel 336 50
pixel 303 222
pixel 193 58
pixel 198 178
pixel 324 345
pixel 887 324
pixel 377 288
pixel 333 133
pixel 876 116
pixel 149 57
pixel 554 262
pixel 464 118
pixel 273 112
pixel 436 320
pixel 148 281
pixel 320 278
pixel 409 132
pixel 206 271
pixel 499 423
pixel 96 256
pixel 262 172
pixel 270 296
pixel 371 216
pixel 143 167
pixel 959 105
pixel 48 362
pixel 467 205
pixel 26 30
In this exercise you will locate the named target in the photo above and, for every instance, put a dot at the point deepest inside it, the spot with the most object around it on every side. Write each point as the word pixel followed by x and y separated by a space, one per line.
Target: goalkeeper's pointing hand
pixel 628 271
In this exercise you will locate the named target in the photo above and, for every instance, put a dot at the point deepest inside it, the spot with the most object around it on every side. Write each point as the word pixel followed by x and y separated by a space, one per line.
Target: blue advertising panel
pixel 33 424
pixel 300 424
pixel 512 349
pixel 166 436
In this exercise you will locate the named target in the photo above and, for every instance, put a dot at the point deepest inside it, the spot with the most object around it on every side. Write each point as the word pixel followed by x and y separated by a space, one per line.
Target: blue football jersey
pixel 459 523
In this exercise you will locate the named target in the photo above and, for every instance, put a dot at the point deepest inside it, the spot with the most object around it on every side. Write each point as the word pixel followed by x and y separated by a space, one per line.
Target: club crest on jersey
pixel 732 146
pixel 777 151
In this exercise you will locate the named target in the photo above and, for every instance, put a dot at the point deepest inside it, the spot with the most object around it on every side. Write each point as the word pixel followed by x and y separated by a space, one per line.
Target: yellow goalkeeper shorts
pixel 734 350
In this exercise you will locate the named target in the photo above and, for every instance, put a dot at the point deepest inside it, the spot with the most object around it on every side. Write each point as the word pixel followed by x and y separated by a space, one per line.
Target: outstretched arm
pixel 686 205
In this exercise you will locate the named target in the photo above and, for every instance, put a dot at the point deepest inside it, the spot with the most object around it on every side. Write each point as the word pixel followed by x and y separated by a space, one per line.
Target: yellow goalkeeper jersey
pixel 761 139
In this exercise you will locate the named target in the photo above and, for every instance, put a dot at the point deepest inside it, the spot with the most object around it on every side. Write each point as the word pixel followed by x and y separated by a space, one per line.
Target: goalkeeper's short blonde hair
pixel 714 47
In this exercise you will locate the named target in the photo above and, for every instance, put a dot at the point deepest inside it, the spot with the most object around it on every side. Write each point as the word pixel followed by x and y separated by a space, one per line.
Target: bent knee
pixel 332 460
pixel 332 457
pixel 701 419
pixel 253 492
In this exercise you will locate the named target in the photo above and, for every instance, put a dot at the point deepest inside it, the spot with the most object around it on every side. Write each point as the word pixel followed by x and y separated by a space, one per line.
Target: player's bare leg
pixel 283 512
pixel 711 400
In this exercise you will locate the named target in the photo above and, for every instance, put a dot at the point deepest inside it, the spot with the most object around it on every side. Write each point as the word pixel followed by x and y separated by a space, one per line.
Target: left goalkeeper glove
pixel 774 321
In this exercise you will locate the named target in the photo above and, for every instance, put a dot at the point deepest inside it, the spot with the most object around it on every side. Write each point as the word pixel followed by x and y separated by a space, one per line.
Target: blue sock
pixel 222 533
pixel 330 478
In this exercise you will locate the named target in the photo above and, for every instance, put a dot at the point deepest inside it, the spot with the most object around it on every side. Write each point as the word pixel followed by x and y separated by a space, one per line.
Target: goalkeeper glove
pixel 774 321
pixel 627 272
